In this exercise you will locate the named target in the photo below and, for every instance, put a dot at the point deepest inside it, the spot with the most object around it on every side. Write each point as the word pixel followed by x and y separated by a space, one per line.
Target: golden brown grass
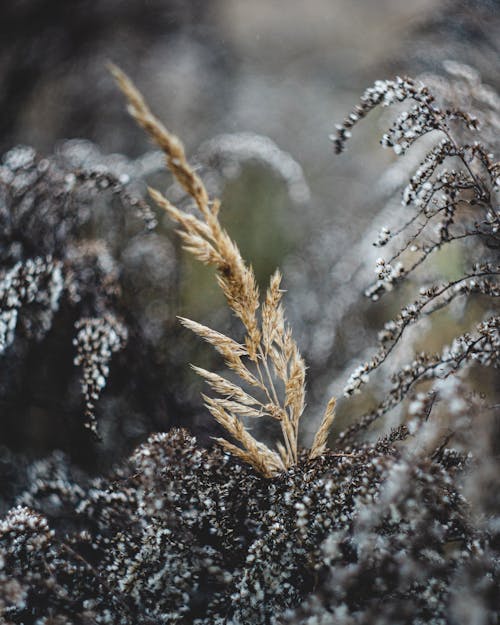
pixel 268 362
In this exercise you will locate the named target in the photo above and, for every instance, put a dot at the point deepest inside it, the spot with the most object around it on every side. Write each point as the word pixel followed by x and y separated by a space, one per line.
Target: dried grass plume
pixel 268 361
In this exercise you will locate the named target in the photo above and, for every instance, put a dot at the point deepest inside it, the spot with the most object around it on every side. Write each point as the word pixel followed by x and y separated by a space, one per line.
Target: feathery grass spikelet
pixel 319 443
pixel 225 387
pixel 272 312
pixel 222 343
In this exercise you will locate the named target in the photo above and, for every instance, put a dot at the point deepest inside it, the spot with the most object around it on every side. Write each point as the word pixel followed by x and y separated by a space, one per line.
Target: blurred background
pixel 253 89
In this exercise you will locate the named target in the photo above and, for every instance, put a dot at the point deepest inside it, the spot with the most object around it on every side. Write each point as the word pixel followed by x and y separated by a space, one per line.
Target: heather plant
pixel 403 528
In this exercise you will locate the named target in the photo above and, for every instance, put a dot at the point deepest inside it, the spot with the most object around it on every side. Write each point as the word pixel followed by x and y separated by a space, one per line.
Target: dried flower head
pixel 95 341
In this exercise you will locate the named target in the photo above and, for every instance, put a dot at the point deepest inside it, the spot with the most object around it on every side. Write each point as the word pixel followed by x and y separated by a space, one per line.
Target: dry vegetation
pixel 403 528
pixel 268 355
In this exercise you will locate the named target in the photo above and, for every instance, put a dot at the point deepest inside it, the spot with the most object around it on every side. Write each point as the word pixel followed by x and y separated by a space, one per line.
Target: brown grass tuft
pixel 269 362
